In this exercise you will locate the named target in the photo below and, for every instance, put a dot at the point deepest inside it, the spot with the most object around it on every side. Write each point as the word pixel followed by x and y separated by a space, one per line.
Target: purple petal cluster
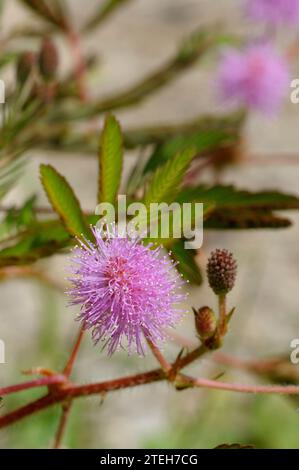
pixel 127 291
pixel 256 78
pixel 274 12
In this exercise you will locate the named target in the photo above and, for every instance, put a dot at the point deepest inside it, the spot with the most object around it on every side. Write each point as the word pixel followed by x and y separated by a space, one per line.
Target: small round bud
pixel 25 66
pixel 222 271
pixel 205 322
pixel 48 59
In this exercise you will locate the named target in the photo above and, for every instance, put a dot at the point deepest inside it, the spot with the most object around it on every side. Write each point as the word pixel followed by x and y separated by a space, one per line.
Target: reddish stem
pixel 222 314
pixel 165 366
pixel 52 380
pixel 66 408
pixel 75 391
pixel 70 363
pixel 28 410
pixel 241 388
pixel 190 357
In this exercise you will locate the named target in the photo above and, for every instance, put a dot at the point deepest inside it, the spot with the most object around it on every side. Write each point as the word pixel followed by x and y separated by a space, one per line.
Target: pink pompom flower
pixel 127 291
pixel 274 12
pixel 256 78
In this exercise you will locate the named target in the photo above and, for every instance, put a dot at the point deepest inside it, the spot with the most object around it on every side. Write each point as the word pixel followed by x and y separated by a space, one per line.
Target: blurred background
pixel 38 328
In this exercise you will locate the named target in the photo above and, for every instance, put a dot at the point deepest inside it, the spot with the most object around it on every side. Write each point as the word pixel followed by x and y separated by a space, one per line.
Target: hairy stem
pixel 70 363
pixel 43 382
pixel 222 314
pixel 241 388
pixel 72 391
pixel 165 366
pixel 66 408
pixel 75 391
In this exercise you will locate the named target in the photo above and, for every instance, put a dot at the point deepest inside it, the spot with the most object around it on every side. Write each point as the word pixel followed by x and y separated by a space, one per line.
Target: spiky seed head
pixel 222 271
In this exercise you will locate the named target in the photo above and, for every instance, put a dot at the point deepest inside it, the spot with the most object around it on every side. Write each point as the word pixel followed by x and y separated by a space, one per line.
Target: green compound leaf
pixel 110 160
pixel 200 140
pixel 239 209
pixel 166 180
pixel 187 265
pixel 176 225
pixel 245 219
pixel 229 197
pixel 64 201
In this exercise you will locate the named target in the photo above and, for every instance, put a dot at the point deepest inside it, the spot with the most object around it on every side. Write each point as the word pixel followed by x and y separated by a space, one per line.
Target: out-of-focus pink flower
pixel 126 291
pixel 256 78
pixel 274 12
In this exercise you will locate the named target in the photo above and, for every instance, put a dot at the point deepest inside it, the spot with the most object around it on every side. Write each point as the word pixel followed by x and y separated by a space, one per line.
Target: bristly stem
pixel 165 366
pixel 66 408
pixel 72 391
pixel 241 388
pixel 75 391
pixel 222 314
pixel 69 391
pixel 43 382
pixel 70 363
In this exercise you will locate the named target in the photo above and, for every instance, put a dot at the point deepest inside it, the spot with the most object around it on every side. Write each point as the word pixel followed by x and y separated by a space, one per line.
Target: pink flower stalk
pixel 256 78
pixel 126 291
pixel 274 12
